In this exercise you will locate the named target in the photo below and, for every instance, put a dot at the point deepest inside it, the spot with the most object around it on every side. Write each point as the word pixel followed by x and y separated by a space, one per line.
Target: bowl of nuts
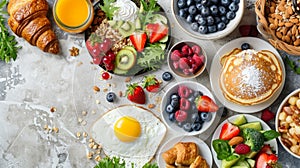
pixel 287 123
pixel 278 22
pixel 208 19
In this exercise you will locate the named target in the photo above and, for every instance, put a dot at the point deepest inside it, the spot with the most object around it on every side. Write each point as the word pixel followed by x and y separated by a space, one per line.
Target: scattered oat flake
pixel 96 88
pixel 113 85
pixel 91 145
pixel 98 158
pixel 128 79
pixel 80 120
pixel 46 127
pixel 84 113
pixel 89 155
pixel 95 146
pixel 105 90
pixel 91 140
pixel 55 129
pixel 97 101
pixel 85 134
pixel 78 134
pixel 83 123
pixel 52 109
pixel 93 112
pixel 74 51
pixel 79 63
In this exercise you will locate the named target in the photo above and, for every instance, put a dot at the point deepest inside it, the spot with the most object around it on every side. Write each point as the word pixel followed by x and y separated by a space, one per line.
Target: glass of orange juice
pixel 73 16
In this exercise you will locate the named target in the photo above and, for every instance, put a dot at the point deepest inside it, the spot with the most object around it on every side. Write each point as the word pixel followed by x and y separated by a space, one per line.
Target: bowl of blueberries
pixel 208 19
pixel 180 110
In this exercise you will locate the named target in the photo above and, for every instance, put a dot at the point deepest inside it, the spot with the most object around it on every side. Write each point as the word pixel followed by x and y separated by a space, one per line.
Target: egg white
pixel 139 151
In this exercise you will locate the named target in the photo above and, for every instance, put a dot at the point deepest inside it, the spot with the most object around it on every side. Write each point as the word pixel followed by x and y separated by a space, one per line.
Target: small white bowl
pixel 285 103
pixel 178 46
pixel 173 89
pixel 230 27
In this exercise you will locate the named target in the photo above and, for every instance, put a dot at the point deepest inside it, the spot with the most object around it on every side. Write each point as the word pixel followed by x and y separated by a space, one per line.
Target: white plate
pixel 215 70
pixel 173 89
pixel 203 148
pixel 249 118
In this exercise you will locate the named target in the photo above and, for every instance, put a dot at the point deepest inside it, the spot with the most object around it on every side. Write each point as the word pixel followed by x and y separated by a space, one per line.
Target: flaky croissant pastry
pixel 28 20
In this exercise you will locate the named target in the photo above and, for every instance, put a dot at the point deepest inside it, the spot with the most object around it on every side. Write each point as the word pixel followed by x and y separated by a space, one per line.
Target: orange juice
pixel 73 15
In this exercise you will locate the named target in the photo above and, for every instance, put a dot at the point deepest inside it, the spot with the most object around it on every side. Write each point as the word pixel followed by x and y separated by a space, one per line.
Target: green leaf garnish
pixel 8 43
pixel 108 8
pixel 293 65
pixel 116 162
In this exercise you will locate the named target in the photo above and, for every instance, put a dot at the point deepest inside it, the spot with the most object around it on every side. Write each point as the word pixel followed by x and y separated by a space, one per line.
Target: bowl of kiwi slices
pixel 128 37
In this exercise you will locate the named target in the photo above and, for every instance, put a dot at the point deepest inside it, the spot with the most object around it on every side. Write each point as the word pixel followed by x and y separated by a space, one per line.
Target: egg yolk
pixel 127 129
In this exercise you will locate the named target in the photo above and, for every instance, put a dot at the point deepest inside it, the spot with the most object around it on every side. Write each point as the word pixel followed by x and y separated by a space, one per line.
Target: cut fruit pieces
pixel 125 59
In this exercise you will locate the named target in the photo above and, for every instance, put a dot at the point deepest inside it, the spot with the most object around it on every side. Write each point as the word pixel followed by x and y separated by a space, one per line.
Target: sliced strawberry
pixel 156 31
pixel 135 93
pixel 151 84
pixel 267 115
pixel 206 104
pixel 265 160
pixel 138 39
pixel 229 131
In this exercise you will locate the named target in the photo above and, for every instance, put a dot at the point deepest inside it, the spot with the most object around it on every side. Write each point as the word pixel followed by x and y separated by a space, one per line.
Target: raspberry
pixel 180 115
pixel 242 149
pixel 176 55
pixel 184 63
pixel 184 104
pixel 184 92
pixel 267 115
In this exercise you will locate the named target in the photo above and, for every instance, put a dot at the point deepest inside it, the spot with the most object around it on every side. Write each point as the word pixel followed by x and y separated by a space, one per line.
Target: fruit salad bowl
pixel 188 108
pixel 208 19
pixel 187 59
pixel 128 37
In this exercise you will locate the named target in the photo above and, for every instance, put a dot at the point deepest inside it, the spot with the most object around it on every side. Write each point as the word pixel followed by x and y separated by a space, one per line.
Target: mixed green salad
pixel 132 39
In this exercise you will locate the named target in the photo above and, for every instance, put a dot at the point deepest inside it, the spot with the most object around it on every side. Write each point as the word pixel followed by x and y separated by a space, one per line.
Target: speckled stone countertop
pixel 33 136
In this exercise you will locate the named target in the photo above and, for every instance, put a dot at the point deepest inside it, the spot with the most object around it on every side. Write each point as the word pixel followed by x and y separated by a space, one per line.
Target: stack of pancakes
pixel 250 77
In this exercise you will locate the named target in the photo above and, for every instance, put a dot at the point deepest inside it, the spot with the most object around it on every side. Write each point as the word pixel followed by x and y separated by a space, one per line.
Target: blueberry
pixel 205 2
pixel 224 19
pixel 217 19
pixel 111 96
pixel 175 96
pixel 210 20
pixel 214 10
pixel 190 18
pixel 233 7
pixel 205 116
pixel 174 103
pixel 212 29
pixel 180 124
pixel 205 11
pixel 203 29
pixel 197 17
pixel 170 109
pixel 199 6
pixel 187 127
pixel 172 117
pixel 167 76
pixel 195 26
pixel 197 94
pixel 192 9
pixel 195 117
pixel 182 13
pixel 236 1
pixel 245 46
pixel 190 2
pixel 198 1
pixel 224 112
pixel 222 10
pixel 181 4
pixel 215 1
pixel 221 26
pixel 196 126
pixel 202 21
pixel 230 15
pixel 225 2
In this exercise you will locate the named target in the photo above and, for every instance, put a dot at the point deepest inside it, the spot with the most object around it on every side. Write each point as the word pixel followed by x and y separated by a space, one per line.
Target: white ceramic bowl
pixel 283 104
pixel 177 46
pixel 172 125
pixel 232 25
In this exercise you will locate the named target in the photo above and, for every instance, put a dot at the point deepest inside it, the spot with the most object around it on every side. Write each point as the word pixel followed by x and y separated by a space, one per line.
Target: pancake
pixel 250 77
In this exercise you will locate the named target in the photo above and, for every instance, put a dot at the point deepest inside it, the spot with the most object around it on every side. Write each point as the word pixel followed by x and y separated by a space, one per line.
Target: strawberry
pixel 205 104
pixel 197 59
pixel 196 49
pixel 265 160
pixel 93 45
pixel 185 50
pixel 156 31
pixel 184 92
pixel 176 55
pixel 229 131
pixel 242 149
pixel 267 115
pixel 184 63
pixel 184 104
pixel 180 115
pixel 135 93
pixel 151 84
pixel 138 39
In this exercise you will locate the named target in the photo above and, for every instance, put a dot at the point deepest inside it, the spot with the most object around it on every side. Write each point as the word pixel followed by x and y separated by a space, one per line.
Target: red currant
pixel 105 75
pixel 107 60
pixel 110 67
pixel 111 55
pixel 97 60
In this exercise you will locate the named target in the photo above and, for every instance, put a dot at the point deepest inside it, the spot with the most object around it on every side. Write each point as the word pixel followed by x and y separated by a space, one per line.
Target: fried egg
pixel 129 132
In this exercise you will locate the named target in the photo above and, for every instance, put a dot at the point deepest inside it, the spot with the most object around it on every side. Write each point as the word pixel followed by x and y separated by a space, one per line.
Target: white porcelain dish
pixel 249 118
pixel 203 148
pixel 215 70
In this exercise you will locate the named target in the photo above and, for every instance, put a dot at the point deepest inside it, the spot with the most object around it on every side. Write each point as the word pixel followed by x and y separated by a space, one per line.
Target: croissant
pixel 28 19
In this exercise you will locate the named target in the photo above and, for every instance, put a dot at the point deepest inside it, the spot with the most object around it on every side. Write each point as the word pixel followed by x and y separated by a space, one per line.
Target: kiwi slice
pixel 126 29
pixel 125 59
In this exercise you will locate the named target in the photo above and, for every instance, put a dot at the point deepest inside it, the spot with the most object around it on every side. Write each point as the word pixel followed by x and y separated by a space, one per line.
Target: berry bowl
pixel 187 59
pixel 287 123
pixel 208 19
pixel 188 108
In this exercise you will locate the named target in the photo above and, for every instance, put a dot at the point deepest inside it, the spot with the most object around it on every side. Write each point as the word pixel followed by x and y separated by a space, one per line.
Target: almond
pixel 236 140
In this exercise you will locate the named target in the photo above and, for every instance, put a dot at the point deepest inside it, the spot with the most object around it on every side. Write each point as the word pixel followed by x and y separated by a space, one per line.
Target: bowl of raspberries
pixel 187 59
pixel 188 108
pixel 208 19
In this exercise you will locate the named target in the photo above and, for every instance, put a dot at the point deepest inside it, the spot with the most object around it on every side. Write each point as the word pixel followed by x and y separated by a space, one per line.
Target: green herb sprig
pixel 116 162
pixel 293 65
pixel 108 8
pixel 8 43
pixel 147 9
